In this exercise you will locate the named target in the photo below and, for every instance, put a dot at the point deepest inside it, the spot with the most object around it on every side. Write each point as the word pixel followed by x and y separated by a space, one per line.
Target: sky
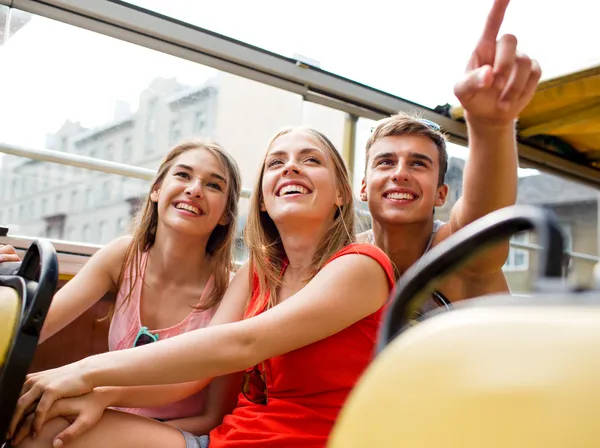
pixel 416 50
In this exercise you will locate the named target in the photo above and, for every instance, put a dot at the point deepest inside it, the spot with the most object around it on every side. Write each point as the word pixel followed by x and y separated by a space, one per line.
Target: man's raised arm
pixel 498 84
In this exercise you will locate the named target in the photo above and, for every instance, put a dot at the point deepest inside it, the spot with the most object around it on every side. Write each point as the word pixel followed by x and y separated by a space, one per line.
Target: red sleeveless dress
pixel 307 387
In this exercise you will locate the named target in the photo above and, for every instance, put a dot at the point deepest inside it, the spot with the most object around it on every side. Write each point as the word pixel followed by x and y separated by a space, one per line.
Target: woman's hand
pixel 44 388
pixel 82 413
pixel 8 253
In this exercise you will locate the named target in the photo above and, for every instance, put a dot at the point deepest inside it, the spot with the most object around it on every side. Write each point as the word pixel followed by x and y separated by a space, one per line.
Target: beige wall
pixel 324 119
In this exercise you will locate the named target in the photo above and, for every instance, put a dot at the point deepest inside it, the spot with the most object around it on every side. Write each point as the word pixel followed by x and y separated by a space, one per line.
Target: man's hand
pixel 8 253
pixel 82 412
pixel 499 81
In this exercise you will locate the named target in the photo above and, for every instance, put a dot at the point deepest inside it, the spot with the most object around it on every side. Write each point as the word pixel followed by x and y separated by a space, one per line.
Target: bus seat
pixel 482 377
pixel 24 301
pixel 10 314
pixel 495 371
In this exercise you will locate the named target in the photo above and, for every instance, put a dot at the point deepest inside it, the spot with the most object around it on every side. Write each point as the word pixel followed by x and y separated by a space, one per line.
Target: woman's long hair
pixel 220 242
pixel 267 255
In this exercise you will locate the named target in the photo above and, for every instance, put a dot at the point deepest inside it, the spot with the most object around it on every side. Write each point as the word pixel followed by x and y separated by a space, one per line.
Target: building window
pixel 59 204
pixel 103 232
pixel 55 226
pixel 200 123
pixel 174 132
pixel 64 144
pixel 106 191
pixel 87 234
pixel 568 234
pixel 89 198
pixel 127 149
pixel 518 259
pixel 47 176
pixel 121 226
pixel 110 152
pixel 73 205
pixel 150 125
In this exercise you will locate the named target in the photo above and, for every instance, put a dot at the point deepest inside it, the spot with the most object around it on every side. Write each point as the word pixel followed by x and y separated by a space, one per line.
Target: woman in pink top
pixel 170 275
pixel 127 327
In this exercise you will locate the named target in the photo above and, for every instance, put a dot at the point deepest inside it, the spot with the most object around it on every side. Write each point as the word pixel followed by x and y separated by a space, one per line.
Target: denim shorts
pixel 192 441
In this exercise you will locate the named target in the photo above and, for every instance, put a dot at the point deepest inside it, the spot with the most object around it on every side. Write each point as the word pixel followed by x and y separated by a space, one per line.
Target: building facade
pixel 57 201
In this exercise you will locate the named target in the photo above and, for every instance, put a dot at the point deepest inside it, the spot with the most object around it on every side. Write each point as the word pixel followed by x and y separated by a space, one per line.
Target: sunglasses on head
pixel 254 385
pixel 144 337
pixel 430 124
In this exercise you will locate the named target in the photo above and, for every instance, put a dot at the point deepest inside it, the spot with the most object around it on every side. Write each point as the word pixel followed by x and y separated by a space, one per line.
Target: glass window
pixel 104 233
pixel 59 202
pixel 174 132
pixel 122 226
pixel 87 234
pixel 518 259
pixel 110 152
pixel 416 71
pixel 127 148
pixel 106 193
pixel 200 122
pixel 89 197
pixel 74 200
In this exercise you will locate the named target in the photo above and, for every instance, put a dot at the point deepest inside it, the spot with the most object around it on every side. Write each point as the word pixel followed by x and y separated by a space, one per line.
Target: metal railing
pixel 122 169
pixel 89 163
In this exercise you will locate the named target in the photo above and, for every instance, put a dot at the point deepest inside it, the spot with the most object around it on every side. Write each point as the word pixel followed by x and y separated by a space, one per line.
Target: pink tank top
pixel 125 326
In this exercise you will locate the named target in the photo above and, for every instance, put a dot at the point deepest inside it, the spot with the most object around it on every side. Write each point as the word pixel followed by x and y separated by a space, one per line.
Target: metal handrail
pixel 90 163
pixel 125 170
pixel 574 255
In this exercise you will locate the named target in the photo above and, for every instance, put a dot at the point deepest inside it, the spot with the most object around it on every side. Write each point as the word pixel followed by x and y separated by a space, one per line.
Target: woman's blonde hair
pixel 220 242
pixel 267 255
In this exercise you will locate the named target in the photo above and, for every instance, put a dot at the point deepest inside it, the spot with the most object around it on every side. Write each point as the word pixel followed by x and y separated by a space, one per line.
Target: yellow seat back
pixel 10 314
pixel 482 377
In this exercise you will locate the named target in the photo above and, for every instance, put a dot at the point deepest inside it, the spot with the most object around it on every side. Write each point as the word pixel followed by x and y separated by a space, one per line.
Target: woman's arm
pixel 231 309
pixel 97 277
pixel 222 397
pixel 345 291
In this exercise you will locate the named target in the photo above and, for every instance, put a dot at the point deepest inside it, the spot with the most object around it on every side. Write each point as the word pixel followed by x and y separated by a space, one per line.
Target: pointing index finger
pixel 494 21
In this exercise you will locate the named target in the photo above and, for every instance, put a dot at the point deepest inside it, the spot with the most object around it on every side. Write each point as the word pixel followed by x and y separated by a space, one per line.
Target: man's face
pixel 401 181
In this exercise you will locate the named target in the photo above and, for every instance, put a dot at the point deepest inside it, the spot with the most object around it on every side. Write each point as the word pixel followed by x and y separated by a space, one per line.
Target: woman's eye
pixel 214 185
pixel 313 160
pixel 182 174
pixel 274 162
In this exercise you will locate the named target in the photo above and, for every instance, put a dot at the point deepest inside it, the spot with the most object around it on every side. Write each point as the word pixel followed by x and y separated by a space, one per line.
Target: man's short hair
pixel 407 124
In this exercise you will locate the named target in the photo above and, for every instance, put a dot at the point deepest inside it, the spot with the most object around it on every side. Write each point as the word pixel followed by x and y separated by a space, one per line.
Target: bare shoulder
pixel 112 256
pixel 443 232
pixel 117 248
